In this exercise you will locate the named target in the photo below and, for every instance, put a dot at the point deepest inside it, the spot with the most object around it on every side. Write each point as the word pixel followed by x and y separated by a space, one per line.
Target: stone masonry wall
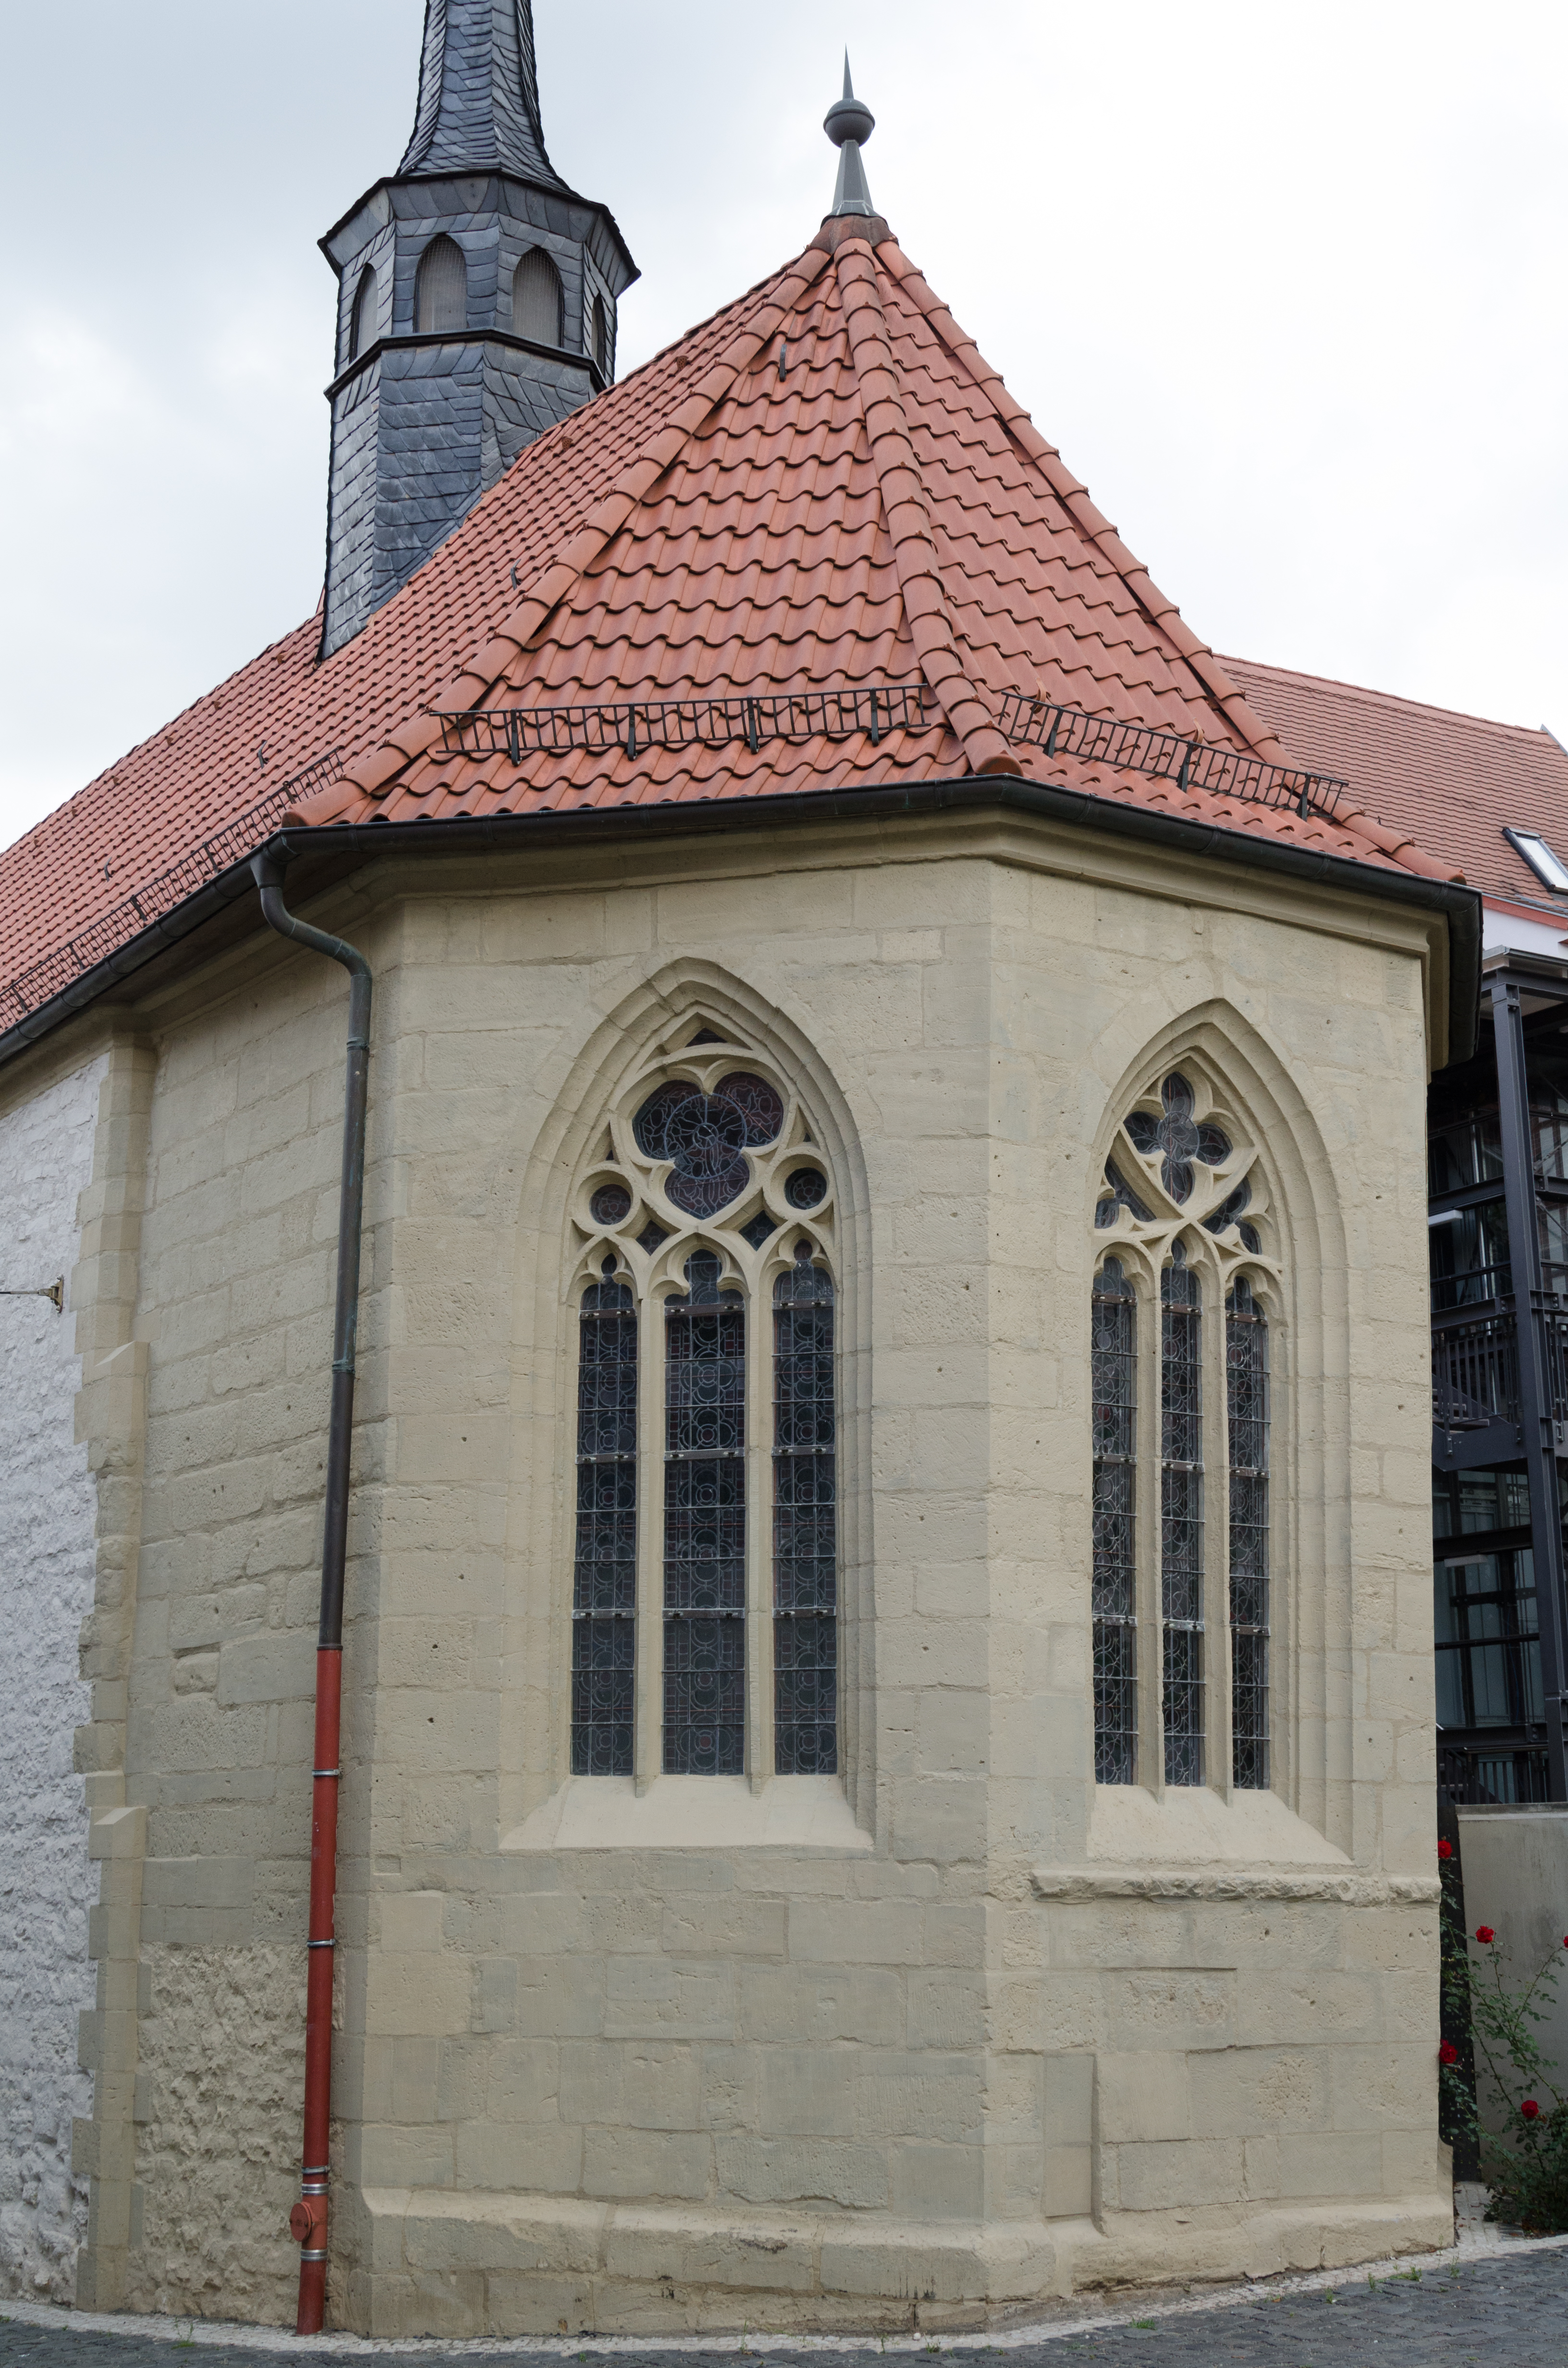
pixel 678 2072
pixel 47 1518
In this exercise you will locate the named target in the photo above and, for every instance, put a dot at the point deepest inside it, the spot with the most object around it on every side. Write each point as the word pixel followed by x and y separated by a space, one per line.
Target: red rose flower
pixel 1448 2053
pixel 1445 1848
pixel 1530 2110
pixel 1485 1935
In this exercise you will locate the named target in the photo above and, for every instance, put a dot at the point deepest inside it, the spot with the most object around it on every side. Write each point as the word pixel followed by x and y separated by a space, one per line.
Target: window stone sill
pixel 790 1813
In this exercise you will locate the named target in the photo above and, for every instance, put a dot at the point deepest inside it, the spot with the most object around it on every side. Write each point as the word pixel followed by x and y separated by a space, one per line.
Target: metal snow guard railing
pixel 631 727
pixel 1191 764
pixel 53 971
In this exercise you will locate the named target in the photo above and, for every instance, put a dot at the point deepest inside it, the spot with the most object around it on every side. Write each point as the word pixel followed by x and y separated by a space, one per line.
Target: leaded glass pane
pixel 1246 1392
pixel 805 1494
pixel 1178 1137
pixel 706 1135
pixel 1181 1516
pixel 604 1585
pixel 1113 1374
pixel 705 1526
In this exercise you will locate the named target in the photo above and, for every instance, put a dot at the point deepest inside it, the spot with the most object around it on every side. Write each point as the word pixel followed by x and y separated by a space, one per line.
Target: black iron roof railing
pixel 1191 764
pixel 633 727
pixel 56 969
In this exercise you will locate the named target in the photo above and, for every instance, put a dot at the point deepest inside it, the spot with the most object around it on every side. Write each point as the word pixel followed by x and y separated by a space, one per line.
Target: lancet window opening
pixel 604 1578
pixel 1181 1519
pixel 708 1540
pixel 1246 1393
pixel 1183 1212
pixel 1114 1355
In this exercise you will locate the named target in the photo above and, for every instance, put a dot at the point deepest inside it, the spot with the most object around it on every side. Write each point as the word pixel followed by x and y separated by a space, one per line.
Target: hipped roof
pixel 823 486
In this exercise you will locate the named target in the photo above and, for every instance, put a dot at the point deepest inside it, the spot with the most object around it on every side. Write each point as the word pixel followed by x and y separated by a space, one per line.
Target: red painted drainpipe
pixel 308 2221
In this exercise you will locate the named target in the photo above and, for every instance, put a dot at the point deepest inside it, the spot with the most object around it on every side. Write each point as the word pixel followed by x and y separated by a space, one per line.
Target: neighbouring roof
pixel 1454 781
pixel 824 486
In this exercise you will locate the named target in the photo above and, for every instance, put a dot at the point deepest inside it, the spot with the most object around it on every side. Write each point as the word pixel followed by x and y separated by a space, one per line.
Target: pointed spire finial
pixel 849 125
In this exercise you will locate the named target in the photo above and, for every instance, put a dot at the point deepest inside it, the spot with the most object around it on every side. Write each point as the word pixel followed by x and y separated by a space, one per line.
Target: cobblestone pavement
pixel 1506 2312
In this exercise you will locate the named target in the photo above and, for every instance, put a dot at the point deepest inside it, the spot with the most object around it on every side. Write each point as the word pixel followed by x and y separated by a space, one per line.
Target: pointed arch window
pixel 535 299
pixel 604 1578
pixel 367 309
pixel 1246 1390
pixel 440 289
pixel 601 336
pixel 1185 1208
pixel 710 1549
pixel 1114 1354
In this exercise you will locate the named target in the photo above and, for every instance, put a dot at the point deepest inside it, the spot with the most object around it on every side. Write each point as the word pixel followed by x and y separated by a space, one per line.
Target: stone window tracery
pixel 711 1214
pixel 1182 1223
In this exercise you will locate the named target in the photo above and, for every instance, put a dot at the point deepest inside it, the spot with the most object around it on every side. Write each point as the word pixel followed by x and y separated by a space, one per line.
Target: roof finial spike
pixel 849 125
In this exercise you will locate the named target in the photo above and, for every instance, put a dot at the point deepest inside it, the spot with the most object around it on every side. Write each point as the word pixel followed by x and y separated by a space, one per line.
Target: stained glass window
pixel 1114 1366
pixel 1178 1137
pixel 705 1526
pixel 805 1495
pixel 706 1136
pixel 1246 1392
pixel 604 1588
pixel 1181 1518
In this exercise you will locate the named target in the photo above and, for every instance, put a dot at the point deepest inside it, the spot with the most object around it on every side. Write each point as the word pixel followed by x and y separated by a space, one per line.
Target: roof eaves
pixel 1459 906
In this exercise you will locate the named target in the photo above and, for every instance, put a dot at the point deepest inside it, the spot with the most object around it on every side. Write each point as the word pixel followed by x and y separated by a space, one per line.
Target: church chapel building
pixel 887 1692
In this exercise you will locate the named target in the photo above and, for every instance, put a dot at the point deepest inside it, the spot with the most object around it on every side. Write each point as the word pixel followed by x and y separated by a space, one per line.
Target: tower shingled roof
pixel 479 93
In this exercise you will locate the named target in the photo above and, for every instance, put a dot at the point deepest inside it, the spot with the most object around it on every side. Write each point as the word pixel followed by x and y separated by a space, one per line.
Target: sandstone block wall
pixel 752 2052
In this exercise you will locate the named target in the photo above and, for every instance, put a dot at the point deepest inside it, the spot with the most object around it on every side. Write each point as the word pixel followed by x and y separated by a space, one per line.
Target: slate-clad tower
pixel 476 306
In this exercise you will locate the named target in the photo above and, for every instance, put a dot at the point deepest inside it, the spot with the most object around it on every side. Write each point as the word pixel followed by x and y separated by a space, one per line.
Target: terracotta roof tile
pixel 877 511
pixel 1451 780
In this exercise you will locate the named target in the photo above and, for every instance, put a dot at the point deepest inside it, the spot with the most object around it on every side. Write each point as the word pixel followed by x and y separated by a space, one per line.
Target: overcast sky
pixel 1285 284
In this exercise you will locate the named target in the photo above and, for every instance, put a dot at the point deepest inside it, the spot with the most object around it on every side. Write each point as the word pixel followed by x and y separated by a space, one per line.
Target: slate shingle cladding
pixel 423 424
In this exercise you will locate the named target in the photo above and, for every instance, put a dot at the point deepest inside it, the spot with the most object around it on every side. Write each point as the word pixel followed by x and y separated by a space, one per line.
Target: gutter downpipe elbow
pixel 308 2221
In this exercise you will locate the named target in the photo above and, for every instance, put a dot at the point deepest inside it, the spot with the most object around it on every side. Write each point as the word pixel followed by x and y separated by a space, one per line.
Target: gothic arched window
pixel 440 289
pixel 367 306
pixel 705 1633
pixel 601 336
pixel 535 299
pixel 1180 1177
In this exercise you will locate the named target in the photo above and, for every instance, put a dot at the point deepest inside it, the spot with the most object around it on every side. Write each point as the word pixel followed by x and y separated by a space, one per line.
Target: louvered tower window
pixel 440 291
pixel 1246 1390
pixel 1114 1364
pixel 601 336
pixel 362 328
pixel 535 299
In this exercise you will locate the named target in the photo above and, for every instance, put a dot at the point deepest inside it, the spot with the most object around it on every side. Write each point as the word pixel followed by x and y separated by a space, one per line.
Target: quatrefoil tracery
pixel 1184 1165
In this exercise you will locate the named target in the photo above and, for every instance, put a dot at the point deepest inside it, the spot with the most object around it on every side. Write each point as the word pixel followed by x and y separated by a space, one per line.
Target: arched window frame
pixel 627 1229
pixel 1218 1206
pixel 364 315
pixel 534 255
pixel 431 265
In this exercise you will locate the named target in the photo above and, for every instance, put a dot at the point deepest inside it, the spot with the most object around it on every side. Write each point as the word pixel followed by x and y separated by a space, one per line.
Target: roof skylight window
pixel 1548 868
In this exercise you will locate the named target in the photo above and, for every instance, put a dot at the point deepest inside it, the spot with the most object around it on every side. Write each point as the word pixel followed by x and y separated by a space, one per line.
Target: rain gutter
pixel 1460 906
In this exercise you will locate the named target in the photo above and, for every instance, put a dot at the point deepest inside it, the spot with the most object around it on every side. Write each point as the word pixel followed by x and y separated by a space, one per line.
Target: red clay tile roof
pixel 823 486
pixel 1454 781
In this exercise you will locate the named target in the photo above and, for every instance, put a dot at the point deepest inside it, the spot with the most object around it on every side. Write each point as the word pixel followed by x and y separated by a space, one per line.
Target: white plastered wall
pixel 47 1560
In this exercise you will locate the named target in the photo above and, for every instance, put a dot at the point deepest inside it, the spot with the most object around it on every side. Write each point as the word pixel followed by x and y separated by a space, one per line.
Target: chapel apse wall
pixel 889 2047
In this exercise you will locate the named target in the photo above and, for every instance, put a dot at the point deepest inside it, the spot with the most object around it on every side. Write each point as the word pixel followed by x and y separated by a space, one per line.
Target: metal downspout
pixel 308 2221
